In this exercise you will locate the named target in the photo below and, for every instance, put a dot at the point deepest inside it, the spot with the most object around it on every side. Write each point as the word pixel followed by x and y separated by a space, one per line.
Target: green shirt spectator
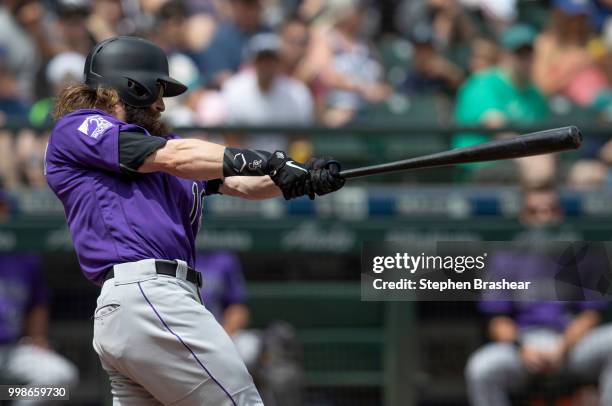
pixel 492 96
pixel 503 95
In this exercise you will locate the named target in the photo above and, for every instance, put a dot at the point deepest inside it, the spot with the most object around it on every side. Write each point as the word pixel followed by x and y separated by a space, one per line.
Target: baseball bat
pixel 537 143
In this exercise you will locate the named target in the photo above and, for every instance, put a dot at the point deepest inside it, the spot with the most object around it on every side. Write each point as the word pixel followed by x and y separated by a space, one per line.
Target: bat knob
pixel 333 166
pixel 575 136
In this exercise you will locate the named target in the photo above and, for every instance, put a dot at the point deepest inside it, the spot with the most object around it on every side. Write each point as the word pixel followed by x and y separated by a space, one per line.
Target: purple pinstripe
pixel 186 346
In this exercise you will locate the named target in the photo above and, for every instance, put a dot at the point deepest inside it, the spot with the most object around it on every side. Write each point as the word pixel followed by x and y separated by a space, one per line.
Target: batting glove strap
pixel 291 177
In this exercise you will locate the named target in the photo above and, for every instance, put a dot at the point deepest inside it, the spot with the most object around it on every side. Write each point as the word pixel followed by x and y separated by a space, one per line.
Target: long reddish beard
pixel 148 119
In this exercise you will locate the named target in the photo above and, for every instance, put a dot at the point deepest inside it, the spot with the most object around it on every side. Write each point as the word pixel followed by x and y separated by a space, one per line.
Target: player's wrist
pixel 245 162
pixel 291 177
pixel 276 162
pixel 213 187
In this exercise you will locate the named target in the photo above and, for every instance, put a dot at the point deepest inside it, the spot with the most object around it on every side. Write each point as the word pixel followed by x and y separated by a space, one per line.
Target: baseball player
pixel 26 356
pixel 132 194
pixel 529 337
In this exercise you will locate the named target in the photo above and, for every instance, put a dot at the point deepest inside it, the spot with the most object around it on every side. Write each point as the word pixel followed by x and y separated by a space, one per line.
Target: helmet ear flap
pixel 138 94
pixel 136 88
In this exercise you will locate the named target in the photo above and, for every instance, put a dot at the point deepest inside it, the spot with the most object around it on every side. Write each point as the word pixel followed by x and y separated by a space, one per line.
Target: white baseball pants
pixel 161 346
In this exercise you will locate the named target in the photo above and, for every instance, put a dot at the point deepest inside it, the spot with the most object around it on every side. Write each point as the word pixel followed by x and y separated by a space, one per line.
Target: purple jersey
pixel 532 313
pixel 114 217
pixel 21 289
pixel 223 281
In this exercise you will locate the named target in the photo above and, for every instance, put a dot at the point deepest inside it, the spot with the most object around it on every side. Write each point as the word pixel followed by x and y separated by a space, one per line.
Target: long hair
pixel 76 97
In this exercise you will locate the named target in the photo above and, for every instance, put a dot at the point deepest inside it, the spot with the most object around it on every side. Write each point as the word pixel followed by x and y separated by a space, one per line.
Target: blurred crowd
pixel 492 63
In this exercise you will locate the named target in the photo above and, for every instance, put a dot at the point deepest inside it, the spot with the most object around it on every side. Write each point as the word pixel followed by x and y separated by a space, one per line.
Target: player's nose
pixel 159 105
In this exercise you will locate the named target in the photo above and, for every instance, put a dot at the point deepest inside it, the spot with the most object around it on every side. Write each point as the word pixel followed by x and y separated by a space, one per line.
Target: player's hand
pixel 316 163
pixel 555 358
pixel 535 361
pixel 291 177
pixel 324 175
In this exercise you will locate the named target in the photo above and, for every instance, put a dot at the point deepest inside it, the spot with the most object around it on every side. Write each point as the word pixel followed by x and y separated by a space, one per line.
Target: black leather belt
pixel 164 267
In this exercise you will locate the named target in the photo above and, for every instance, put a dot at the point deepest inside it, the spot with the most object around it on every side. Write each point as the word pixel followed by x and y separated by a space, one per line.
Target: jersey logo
pixel 198 202
pixel 94 126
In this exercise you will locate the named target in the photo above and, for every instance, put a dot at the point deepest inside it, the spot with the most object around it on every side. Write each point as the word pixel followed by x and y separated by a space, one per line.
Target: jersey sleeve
pixel 39 295
pixel 135 147
pixel 90 142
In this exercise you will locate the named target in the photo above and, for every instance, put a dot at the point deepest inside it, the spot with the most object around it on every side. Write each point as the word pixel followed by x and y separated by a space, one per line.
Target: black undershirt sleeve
pixel 212 187
pixel 135 147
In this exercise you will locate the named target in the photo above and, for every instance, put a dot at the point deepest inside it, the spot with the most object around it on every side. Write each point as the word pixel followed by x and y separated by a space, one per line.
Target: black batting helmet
pixel 134 67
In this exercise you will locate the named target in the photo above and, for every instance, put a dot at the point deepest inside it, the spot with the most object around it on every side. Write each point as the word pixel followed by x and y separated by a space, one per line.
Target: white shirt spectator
pixel 287 102
pixel 22 54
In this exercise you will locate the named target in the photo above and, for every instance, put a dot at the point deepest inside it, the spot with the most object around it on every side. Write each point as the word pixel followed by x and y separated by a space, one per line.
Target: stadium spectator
pixel 601 14
pixel 214 8
pixel 170 34
pixel 64 69
pixel 189 109
pixel 452 27
pixel 26 356
pixel 7 163
pixel 5 206
pixel 107 19
pixel 263 95
pixel 484 55
pixel 12 104
pixel 498 14
pixel 23 35
pixel 16 162
pixel 72 28
pixel 346 64
pixel 28 148
pixel 530 338
pixel 295 40
pixel 563 64
pixel 501 96
pixel 589 173
pixel 295 37
pixel 224 53
pixel 431 72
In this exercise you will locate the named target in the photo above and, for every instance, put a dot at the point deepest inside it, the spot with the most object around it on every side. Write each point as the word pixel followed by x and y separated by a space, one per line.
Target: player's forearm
pixel 236 317
pixel 581 325
pixel 250 187
pixel 187 158
pixel 36 323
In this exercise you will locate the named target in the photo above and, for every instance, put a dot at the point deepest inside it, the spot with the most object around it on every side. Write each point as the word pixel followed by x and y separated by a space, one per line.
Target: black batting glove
pixel 291 177
pixel 317 163
pixel 324 176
